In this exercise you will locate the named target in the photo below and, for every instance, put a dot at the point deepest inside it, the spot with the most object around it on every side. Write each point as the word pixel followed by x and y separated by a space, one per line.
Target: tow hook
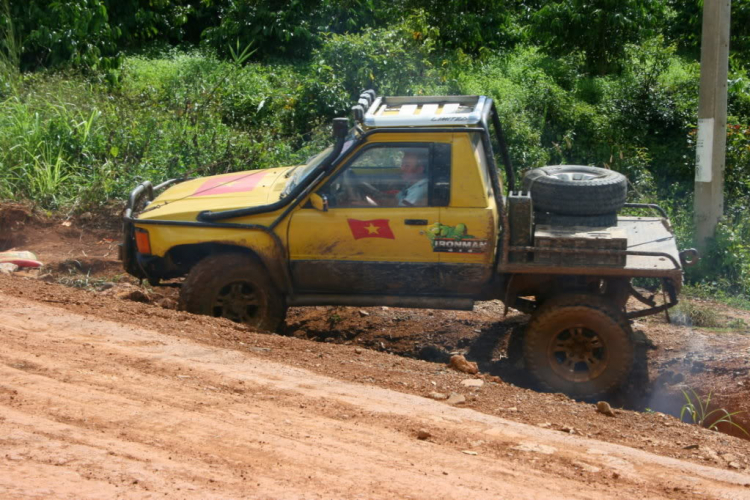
pixel 689 257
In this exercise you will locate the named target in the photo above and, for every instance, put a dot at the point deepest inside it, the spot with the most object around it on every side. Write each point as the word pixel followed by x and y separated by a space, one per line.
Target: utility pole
pixel 712 120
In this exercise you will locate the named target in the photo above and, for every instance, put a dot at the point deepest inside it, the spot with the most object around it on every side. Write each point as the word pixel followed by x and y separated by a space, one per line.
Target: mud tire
pixel 576 190
pixel 584 314
pixel 236 287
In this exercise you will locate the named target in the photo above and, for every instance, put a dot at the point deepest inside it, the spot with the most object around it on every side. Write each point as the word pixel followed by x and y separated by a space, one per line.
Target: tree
pixel 600 29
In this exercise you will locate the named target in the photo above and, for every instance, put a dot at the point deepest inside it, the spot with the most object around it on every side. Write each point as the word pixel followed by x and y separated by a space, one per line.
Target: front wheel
pixel 579 344
pixel 236 287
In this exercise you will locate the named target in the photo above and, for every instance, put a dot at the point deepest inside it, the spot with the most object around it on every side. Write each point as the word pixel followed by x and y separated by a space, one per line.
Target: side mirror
pixel 319 202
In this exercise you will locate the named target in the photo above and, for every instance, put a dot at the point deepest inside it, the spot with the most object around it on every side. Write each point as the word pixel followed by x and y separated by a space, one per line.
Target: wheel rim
pixel 239 301
pixel 577 354
pixel 575 176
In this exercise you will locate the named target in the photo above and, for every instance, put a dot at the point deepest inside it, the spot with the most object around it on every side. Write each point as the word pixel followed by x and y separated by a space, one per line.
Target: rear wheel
pixel 579 344
pixel 236 287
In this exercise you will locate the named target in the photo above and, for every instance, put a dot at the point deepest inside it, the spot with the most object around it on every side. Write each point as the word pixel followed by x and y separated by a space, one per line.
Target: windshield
pixel 301 173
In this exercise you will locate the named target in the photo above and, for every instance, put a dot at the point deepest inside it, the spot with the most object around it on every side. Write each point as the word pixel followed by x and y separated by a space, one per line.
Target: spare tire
pixel 576 189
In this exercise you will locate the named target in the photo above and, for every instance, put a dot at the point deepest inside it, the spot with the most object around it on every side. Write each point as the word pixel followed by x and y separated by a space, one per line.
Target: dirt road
pixel 108 392
pixel 91 408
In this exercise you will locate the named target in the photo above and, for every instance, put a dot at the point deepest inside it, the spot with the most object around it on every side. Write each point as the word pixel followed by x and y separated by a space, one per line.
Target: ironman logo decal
pixel 454 239
pixel 376 228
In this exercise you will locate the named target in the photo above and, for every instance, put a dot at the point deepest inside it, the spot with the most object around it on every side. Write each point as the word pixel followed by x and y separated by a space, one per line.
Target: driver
pixel 413 171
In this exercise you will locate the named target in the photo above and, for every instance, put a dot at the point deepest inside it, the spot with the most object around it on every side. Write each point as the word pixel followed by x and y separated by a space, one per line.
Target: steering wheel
pixel 355 191
pixel 370 191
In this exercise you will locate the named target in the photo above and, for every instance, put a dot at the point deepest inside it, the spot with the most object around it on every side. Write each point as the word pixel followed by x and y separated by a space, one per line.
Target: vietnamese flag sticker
pixel 376 228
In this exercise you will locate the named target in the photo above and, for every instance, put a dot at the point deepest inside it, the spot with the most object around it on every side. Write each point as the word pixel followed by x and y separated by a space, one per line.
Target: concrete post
pixel 712 120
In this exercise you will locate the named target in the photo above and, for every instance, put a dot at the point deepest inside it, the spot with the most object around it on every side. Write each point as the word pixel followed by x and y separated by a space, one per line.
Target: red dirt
pixel 107 397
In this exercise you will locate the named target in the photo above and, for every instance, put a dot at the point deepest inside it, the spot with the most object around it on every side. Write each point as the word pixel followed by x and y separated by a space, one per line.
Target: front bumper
pixel 133 262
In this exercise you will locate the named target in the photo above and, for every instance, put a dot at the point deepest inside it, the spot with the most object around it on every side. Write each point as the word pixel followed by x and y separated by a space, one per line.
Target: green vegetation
pixel 98 95
pixel 692 314
pixel 699 412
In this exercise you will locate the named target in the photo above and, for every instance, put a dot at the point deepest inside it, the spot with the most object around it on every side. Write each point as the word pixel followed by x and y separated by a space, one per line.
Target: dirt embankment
pixel 107 397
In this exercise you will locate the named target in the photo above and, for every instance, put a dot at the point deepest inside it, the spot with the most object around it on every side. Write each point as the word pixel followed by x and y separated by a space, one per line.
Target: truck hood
pixel 219 192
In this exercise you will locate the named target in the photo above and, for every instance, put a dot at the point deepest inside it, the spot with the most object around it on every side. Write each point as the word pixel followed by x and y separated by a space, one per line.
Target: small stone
pixel 459 363
pixel 105 286
pixel 512 409
pixel 439 396
pixel 728 457
pixel 535 448
pixel 423 434
pixel 469 452
pixel 494 379
pixel 544 425
pixel 8 267
pixel 587 467
pixel 385 308
pixel 691 447
pixel 167 303
pixel 134 295
pixel 734 465
pixel 456 399
pixel 472 382
pixel 359 350
pixel 363 313
pixel 86 216
pixel 711 454
pixel 604 408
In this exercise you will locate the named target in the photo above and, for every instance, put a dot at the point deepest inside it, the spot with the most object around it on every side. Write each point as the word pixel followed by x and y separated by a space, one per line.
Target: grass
pixel 737 301
pixel 699 413
pixel 691 314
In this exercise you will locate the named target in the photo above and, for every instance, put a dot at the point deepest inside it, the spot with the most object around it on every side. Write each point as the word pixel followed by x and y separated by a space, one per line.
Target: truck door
pixel 469 222
pixel 373 239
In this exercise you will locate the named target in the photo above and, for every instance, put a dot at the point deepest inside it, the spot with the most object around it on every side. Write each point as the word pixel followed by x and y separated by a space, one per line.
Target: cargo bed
pixel 649 250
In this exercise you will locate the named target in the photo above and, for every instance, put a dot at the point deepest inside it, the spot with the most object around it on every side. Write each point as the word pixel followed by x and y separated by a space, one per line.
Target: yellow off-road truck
pixel 408 209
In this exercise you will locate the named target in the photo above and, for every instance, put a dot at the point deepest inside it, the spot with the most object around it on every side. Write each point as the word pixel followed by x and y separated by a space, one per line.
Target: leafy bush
pixel 90 33
pixel 600 29
pixel 287 28
pixel 395 60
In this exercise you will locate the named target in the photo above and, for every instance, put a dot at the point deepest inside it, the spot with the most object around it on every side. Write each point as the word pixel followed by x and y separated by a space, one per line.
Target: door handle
pixel 415 222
